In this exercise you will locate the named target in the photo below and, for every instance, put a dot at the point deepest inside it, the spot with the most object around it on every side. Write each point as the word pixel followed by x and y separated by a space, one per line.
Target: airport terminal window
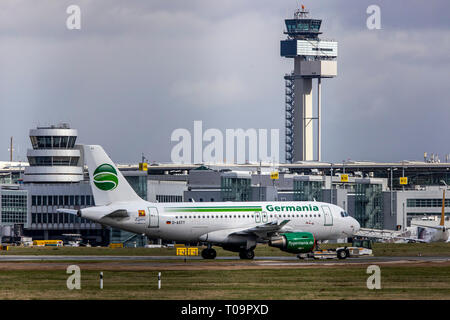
pixel 50 200
pixel 61 161
pixel 44 200
pixel 33 200
pixel 56 142
pixel 63 144
pixel 66 200
pixel 72 142
pixel 72 200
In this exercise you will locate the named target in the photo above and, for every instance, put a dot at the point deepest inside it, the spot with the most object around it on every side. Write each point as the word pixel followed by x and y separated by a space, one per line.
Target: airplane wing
pixel 263 230
pixel 431 227
pixel 385 235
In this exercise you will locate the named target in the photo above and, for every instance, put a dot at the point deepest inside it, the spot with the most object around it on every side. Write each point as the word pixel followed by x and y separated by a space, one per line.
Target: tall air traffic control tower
pixel 313 59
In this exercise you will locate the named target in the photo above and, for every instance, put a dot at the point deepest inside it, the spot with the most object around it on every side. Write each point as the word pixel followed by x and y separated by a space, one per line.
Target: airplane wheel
pixel 247 254
pixel 342 254
pixel 209 253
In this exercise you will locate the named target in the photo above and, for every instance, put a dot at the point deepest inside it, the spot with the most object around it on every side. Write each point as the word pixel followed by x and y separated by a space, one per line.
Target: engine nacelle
pixel 295 242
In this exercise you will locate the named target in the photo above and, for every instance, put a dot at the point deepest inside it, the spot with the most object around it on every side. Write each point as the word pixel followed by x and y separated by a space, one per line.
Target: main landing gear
pixel 209 253
pixel 247 254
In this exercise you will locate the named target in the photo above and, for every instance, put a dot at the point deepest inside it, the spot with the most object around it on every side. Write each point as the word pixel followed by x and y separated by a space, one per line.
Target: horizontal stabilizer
pixel 69 211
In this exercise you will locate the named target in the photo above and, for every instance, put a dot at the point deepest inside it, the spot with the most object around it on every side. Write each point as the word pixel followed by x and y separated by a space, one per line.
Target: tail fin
pixel 107 182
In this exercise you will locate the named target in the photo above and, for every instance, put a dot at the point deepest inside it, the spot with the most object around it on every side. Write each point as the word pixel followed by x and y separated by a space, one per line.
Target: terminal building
pixel 376 194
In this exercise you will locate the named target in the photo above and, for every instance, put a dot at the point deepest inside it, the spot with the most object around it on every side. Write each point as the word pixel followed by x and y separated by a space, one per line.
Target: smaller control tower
pixel 313 59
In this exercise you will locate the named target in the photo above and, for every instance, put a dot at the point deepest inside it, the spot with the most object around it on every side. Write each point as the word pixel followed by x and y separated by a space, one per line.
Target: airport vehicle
pixel 48 243
pixel 359 247
pixel 236 226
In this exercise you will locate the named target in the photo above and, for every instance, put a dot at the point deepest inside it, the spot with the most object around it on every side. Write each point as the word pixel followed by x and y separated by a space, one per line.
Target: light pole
pixel 443 197
pixel 331 184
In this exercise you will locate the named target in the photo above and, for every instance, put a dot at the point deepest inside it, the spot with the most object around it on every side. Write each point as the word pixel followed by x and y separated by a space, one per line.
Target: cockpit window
pixel 344 214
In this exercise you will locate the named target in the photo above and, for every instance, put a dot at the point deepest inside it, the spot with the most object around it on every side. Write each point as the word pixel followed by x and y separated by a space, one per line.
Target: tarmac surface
pixel 267 260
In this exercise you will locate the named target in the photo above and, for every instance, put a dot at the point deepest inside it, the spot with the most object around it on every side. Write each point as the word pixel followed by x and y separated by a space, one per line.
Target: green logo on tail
pixel 105 177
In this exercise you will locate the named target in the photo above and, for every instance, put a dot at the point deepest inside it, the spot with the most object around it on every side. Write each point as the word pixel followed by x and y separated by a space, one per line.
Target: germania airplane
pixel 236 226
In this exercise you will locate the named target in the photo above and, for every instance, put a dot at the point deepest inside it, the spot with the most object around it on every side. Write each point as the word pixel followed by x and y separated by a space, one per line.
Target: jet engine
pixel 295 242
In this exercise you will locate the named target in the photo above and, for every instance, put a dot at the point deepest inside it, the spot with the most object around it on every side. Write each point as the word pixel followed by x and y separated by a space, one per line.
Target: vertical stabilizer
pixel 107 182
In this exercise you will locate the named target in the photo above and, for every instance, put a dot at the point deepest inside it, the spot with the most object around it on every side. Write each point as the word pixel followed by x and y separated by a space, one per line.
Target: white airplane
pixel 437 233
pixel 424 233
pixel 236 226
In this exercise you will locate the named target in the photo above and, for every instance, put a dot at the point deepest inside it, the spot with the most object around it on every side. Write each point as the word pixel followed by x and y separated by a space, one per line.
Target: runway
pixel 267 260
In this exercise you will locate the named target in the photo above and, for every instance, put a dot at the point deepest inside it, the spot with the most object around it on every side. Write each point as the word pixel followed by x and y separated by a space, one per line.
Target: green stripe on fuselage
pixel 214 209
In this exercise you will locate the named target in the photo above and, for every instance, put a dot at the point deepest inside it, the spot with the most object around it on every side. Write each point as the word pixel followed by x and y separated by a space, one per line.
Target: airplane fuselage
pixel 189 221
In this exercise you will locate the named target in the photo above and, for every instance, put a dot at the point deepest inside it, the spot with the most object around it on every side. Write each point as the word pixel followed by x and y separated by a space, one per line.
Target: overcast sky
pixel 137 70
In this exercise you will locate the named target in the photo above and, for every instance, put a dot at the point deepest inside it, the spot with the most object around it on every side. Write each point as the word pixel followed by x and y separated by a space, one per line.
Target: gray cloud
pixel 140 69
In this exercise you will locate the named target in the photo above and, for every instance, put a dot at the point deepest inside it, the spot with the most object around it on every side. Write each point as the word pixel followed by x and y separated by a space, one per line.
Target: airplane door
pixel 153 217
pixel 257 217
pixel 264 217
pixel 327 216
